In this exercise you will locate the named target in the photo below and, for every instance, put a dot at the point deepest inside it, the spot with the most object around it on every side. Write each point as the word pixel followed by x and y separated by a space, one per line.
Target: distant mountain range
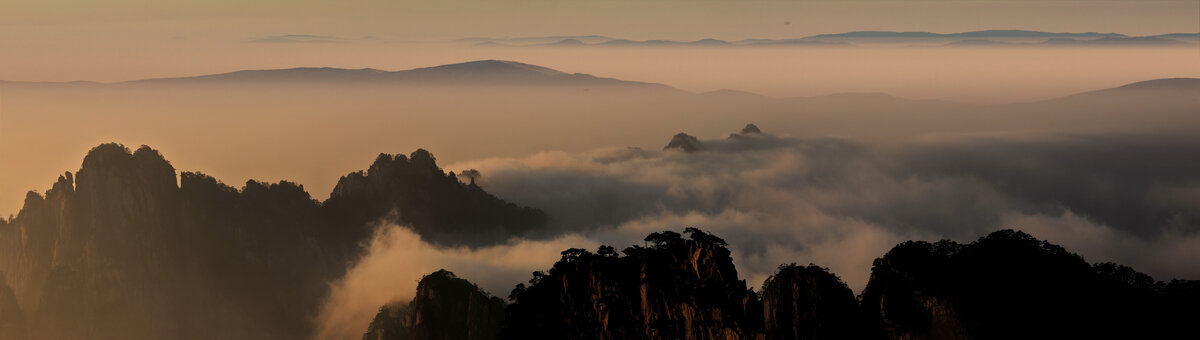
pixel 973 38
pixel 481 73
pixel 511 73
pixel 1106 41
pixel 1167 86
pixel 973 34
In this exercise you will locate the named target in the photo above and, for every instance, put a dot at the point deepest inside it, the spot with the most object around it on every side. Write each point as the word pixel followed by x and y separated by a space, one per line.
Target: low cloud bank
pixel 839 203
pixel 397 258
pixel 833 202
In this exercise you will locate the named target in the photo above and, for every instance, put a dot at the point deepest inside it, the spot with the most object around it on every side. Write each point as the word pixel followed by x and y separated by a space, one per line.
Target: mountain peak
pixel 490 66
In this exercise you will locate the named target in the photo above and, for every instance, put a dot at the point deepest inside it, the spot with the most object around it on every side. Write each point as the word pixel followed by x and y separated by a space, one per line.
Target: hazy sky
pixel 636 19
pixel 114 40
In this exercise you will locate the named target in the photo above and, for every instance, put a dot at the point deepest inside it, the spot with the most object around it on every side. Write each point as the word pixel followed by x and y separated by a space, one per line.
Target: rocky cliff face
pixel 809 302
pixel 445 307
pixel 12 320
pixel 674 289
pixel 119 250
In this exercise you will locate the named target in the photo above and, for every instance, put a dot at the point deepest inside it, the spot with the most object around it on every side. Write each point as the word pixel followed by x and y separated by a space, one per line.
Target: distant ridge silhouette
pixel 972 34
pixel 482 72
pixel 847 39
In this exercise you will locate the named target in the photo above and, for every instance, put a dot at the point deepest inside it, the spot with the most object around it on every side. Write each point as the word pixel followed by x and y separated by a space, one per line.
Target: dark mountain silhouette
pixel 445 307
pixel 1114 41
pixel 1105 41
pixel 539 40
pixel 794 42
pixel 659 42
pixel 750 129
pixel 482 72
pixel 675 288
pixel 1005 285
pixel 489 43
pixel 983 42
pixel 1184 37
pixel 986 37
pixel 1010 285
pixel 809 302
pixel 1166 84
pixel 564 42
pixel 120 251
pixel 1179 35
pixel 437 206
pixel 1158 91
pixel 683 141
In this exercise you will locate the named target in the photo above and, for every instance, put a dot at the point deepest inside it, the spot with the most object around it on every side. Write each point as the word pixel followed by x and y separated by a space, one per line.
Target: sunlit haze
pixel 666 169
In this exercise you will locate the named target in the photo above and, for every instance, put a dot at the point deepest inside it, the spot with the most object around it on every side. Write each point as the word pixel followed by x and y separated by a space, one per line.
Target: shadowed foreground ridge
pixel 119 251
pixel 445 307
pixel 1005 285
pixel 1009 285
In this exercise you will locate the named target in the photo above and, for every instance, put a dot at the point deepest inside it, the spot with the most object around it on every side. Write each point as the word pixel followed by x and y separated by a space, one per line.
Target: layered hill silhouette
pixel 1005 285
pixel 846 39
pixel 481 72
pixel 125 249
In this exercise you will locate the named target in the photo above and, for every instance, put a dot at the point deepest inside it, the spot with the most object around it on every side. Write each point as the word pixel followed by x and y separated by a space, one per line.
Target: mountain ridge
pixel 483 72
pixel 495 72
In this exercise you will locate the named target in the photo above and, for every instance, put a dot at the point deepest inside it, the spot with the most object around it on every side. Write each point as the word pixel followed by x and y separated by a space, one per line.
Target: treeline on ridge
pixel 1005 285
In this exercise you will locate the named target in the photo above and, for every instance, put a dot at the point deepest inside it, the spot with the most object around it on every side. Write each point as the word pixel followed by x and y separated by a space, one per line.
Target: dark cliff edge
pixel 674 288
pixel 445 307
pixel 121 250
pixel 1005 285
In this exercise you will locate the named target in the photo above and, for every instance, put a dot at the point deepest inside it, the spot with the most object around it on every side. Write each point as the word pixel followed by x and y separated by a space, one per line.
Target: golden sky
pixel 673 19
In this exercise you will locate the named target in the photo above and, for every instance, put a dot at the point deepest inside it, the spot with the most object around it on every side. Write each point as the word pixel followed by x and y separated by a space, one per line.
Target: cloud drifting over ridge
pixel 776 196
pixel 397 258
pixel 832 202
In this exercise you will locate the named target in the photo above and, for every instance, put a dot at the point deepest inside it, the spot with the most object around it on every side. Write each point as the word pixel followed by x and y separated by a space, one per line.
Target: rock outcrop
pixel 672 289
pixel 119 250
pixel 684 142
pixel 445 307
